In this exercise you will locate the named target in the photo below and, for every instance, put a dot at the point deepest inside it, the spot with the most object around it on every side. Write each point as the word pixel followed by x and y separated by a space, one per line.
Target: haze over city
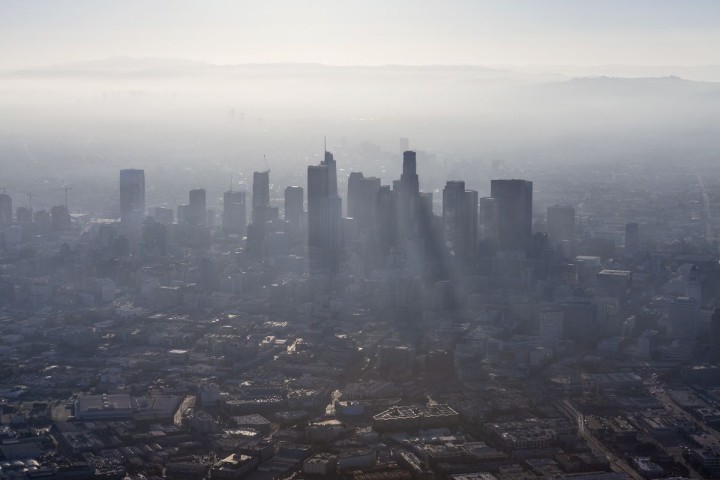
pixel 378 240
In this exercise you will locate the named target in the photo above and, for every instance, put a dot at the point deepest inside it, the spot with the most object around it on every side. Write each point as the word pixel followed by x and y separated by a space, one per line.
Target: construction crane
pixel 65 188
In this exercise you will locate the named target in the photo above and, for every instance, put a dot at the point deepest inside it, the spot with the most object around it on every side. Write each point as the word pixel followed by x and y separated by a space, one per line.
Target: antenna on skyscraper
pixel 324 144
pixel 267 166
pixel 231 181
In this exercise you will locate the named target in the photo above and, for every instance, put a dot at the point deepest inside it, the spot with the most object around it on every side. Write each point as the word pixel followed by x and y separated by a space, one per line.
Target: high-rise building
pixel 460 220
pixel 317 191
pixel 331 165
pixel 409 193
pixel 514 212
pixel 260 195
pixel 385 221
pixel 361 197
pixel 324 215
pixel 6 210
pixel 294 209
pixel 234 213
pixel 451 214
pixel 60 218
pixel 132 201
pixel 560 223
pixel 354 194
pixel 683 318
pixel 488 218
pixel 197 207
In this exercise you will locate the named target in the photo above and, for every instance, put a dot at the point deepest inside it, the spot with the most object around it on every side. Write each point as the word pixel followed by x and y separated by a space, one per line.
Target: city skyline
pixel 378 240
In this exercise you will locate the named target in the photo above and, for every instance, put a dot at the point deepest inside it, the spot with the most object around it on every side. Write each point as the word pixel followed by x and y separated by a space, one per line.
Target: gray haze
pixel 187 121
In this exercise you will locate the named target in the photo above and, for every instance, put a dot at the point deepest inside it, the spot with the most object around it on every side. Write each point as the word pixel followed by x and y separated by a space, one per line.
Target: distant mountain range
pixel 122 66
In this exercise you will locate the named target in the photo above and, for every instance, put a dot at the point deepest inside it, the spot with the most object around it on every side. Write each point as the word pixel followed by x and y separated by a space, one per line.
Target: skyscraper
pixel 361 196
pixel 132 201
pixel 261 214
pixel 234 213
pixel 294 208
pixel 560 223
pixel 324 215
pixel 488 218
pixel 60 219
pixel 460 220
pixel 451 212
pixel 260 195
pixel 514 212
pixel 409 192
pixel 385 221
pixel 331 165
pixel 354 194
pixel 197 207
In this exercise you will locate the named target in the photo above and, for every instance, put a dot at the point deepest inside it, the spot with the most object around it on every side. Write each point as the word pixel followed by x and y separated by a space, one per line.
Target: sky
pixel 364 32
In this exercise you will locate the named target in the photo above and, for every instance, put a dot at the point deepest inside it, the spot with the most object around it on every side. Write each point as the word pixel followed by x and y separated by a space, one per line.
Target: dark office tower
pixel 317 193
pixel 132 201
pixel 331 165
pixel 560 223
pixel 260 196
pixel 488 218
pixel 632 238
pixel 426 202
pixel 324 215
pixel 6 210
pixel 369 188
pixel 514 212
pixel 452 212
pixel 197 208
pixel 409 192
pixel 385 221
pixel 294 207
pixel 354 195
pixel 183 213
pixel 59 219
pixel 460 214
pixel 234 213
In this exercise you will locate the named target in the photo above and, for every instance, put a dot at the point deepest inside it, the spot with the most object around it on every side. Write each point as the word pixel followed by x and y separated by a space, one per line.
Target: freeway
pixel 616 463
